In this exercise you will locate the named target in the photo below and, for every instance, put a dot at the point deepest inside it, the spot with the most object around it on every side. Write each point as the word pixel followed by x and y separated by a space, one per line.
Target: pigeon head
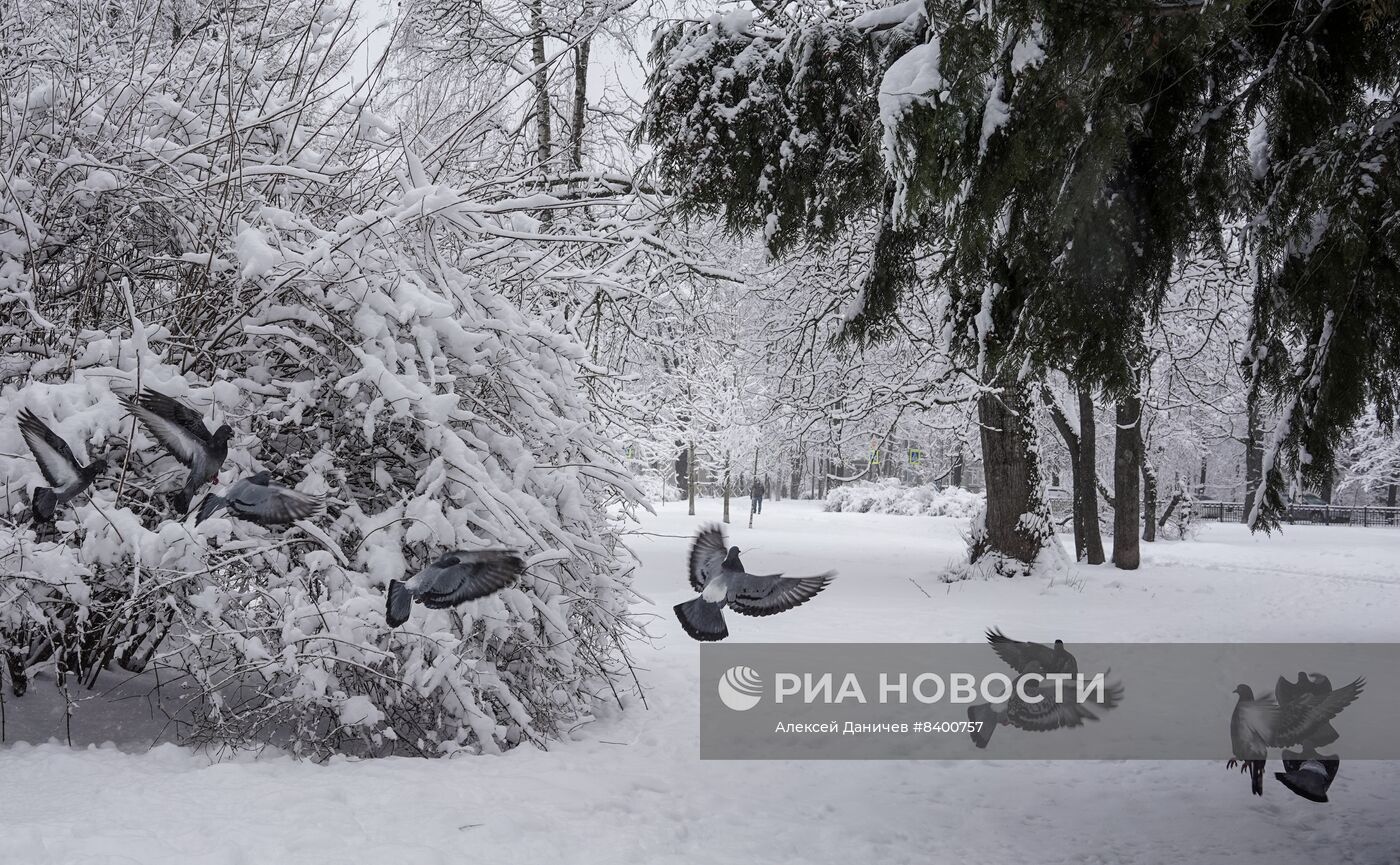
pixel 1059 645
pixel 223 434
pixel 1245 692
pixel 733 554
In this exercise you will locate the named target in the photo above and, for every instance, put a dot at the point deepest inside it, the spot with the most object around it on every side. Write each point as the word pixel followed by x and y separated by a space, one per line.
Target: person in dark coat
pixel 756 494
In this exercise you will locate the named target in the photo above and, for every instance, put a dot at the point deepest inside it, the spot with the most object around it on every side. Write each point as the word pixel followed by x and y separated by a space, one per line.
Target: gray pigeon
pixel 1034 659
pixel 457 577
pixel 1259 724
pixel 181 430
pixel 66 476
pixel 257 500
pixel 719 577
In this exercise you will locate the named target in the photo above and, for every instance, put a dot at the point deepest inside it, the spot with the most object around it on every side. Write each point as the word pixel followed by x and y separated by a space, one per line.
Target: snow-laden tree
pixel 210 210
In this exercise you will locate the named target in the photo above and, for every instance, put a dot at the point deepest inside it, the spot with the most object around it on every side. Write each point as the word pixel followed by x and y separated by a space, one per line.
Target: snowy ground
pixel 631 788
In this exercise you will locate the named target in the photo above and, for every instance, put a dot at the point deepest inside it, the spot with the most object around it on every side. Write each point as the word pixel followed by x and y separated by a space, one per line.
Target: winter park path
pixel 630 788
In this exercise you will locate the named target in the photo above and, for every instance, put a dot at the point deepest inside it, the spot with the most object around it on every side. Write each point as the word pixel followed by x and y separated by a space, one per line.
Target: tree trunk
pixel 1127 467
pixel 1390 495
pixel 726 487
pixel 795 488
pixel 957 478
pixel 1016 525
pixel 682 469
pixel 690 478
pixel 1089 475
pixel 1076 481
pixel 1201 490
pixel 1326 491
pixel 544 145
pixel 1253 456
pixel 580 117
pixel 1149 492
pixel 1171 508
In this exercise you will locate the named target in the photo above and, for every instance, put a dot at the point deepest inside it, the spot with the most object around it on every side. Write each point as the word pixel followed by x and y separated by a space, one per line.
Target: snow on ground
pixel 631 787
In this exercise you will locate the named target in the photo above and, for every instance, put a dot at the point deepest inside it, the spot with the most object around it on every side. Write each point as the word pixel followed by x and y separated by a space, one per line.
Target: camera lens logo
pixel 740 688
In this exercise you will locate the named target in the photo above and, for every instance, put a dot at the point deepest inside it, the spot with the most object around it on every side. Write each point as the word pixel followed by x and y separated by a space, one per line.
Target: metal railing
pixel 1300 514
pixel 1303 514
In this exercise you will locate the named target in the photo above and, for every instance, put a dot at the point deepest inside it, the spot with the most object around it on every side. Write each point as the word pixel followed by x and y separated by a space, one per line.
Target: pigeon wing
pixel 707 555
pixel 1299 718
pixel 754 595
pixel 179 428
pixel 52 453
pixel 272 503
pixel 1251 727
pixel 473 575
pixel 1020 655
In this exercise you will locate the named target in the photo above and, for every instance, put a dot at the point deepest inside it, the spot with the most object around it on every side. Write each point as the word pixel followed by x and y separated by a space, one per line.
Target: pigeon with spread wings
pixel 66 476
pixel 256 499
pixel 455 578
pixel 719 576
pixel 181 431
pixel 1038 661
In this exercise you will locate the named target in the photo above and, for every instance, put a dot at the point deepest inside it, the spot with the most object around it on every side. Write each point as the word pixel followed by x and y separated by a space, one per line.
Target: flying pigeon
pixel 1310 688
pixel 457 577
pixel 1034 659
pixel 1258 724
pixel 181 430
pixel 65 475
pixel 258 500
pixel 719 577
pixel 1308 777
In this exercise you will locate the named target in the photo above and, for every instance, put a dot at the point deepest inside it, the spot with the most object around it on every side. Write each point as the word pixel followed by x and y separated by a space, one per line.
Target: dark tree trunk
pixel 798 459
pixel 726 488
pixel 1326 491
pixel 1089 475
pixel 1012 474
pixel 957 478
pixel 1149 492
pixel 1253 455
pixel 579 118
pixel 1201 489
pixel 1076 481
pixel 1171 508
pixel 1390 495
pixel 1127 467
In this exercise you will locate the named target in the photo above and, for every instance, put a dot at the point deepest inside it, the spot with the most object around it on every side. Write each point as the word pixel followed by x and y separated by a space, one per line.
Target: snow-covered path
pixel 631 788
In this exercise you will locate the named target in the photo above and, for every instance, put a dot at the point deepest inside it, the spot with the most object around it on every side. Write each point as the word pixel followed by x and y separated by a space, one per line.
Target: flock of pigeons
pixel 1300 716
pixel 455 578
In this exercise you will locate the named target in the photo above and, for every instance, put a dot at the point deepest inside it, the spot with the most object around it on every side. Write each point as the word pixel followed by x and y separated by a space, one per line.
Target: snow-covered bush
pixel 889 496
pixel 197 214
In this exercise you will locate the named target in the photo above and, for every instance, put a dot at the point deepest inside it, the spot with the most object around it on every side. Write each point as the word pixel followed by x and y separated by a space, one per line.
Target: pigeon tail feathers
pixel 44 504
pixel 986 714
pixel 207 507
pixel 702 620
pixel 398 605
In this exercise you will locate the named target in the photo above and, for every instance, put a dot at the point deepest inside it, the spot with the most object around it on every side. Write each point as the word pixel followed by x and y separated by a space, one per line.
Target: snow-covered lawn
pixel 632 789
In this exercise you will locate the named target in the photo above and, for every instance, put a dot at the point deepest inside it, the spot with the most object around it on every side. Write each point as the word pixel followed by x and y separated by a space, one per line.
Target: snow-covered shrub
pixel 231 238
pixel 889 496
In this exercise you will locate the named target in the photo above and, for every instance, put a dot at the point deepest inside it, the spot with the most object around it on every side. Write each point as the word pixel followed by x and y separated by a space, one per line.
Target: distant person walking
pixel 756 493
